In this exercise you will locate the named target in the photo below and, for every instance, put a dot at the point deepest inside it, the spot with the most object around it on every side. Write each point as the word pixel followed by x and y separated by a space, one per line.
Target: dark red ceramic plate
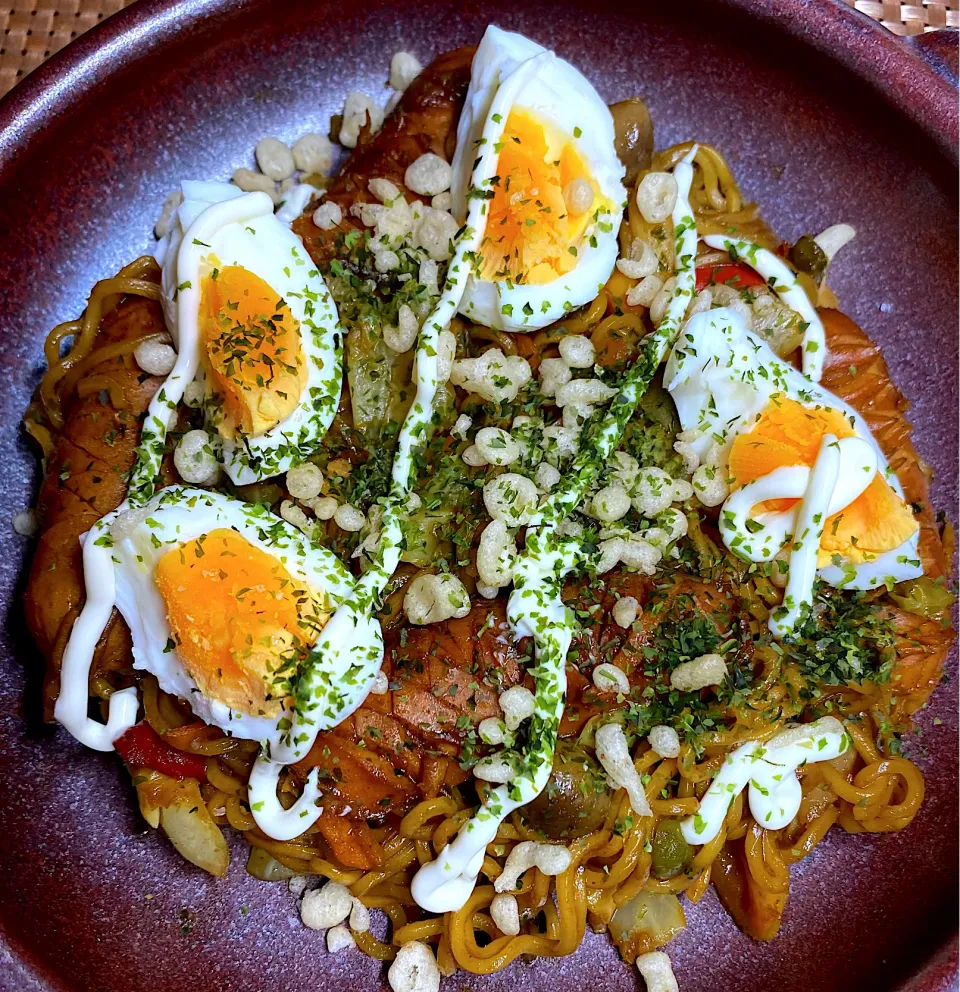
pixel 823 115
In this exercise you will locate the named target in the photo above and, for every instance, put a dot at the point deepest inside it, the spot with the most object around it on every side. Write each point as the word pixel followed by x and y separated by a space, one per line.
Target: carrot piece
pixel 352 842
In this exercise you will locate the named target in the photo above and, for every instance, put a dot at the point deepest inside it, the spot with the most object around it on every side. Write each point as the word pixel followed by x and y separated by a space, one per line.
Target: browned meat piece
pixel 756 911
pixel 86 478
pixel 855 371
pixel 445 679
pixel 922 647
pixel 424 121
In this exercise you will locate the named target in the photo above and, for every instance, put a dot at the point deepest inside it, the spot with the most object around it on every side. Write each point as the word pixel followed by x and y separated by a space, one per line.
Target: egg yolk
pixel 531 237
pixel 253 351
pixel 788 433
pixel 240 622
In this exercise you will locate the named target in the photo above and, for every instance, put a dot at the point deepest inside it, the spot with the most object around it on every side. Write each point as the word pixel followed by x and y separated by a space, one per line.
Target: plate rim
pixel 892 67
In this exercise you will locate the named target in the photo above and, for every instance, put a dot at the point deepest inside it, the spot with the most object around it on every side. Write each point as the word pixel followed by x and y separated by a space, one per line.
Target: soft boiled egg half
pixel 550 212
pixel 766 423
pixel 245 301
pixel 224 601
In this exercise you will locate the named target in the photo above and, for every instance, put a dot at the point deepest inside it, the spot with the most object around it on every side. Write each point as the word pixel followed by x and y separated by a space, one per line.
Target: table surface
pixel 33 30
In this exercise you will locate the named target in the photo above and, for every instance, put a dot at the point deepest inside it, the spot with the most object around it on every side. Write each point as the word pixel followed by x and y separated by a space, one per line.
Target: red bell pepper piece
pixel 734 275
pixel 143 747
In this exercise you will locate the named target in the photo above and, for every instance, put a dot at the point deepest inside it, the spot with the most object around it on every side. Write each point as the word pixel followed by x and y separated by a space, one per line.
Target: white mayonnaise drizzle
pixel 119 557
pixel 250 236
pixel 809 520
pixel 770 769
pixel 271 817
pixel 162 412
pixel 338 674
pixel 722 377
pixel 535 608
pixel 842 471
pixel 71 707
pixel 784 282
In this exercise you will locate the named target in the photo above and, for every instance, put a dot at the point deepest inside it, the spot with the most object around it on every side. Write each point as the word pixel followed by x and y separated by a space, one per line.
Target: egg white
pixel 552 90
pixel 140 537
pixel 218 221
pixel 721 377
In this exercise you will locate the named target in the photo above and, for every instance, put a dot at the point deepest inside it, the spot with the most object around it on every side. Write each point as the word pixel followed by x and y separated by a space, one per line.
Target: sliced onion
pixel 192 831
pixel 264 866
pixel 648 921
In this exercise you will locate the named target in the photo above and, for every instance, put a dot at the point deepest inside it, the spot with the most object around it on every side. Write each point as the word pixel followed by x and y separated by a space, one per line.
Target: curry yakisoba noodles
pixel 490 561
